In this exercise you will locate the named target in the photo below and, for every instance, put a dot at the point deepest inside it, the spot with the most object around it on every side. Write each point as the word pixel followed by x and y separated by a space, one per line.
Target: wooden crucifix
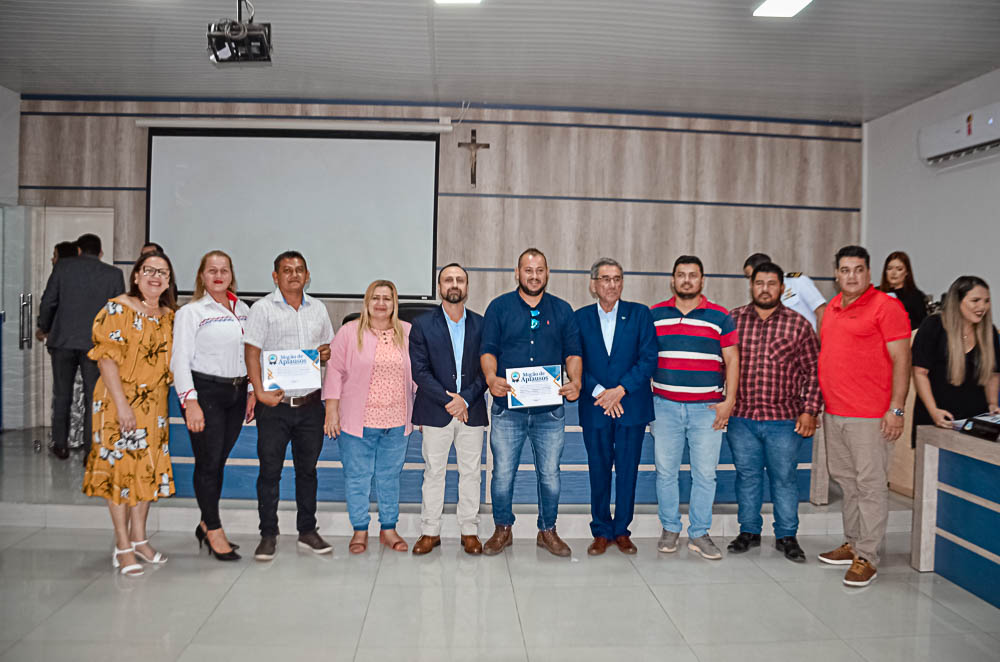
pixel 474 147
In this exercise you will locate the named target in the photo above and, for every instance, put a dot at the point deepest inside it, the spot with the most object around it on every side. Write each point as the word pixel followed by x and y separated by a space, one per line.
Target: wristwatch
pixel 897 412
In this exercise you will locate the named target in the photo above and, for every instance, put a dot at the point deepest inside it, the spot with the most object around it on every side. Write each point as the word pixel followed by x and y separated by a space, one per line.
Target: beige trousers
pixel 858 458
pixel 468 441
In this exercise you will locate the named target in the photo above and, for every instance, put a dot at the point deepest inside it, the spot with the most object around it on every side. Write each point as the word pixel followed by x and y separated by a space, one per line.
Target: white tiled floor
pixel 61 601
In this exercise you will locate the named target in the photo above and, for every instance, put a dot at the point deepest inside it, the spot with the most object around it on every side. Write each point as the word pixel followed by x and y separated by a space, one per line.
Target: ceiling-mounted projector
pixel 238 42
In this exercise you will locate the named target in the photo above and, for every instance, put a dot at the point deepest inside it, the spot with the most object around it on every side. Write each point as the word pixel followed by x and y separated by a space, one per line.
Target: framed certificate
pixel 291 369
pixel 535 386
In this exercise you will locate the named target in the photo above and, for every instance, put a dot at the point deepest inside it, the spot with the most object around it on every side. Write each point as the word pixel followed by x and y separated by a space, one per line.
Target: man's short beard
pixel 685 295
pixel 452 297
pixel 521 286
pixel 767 306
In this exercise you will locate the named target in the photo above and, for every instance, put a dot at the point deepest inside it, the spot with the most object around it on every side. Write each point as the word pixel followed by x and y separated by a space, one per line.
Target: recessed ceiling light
pixel 780 8
pixel 457 2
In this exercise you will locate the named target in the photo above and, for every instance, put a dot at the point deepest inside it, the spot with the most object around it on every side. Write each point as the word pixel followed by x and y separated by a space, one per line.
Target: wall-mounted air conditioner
pixel 967 136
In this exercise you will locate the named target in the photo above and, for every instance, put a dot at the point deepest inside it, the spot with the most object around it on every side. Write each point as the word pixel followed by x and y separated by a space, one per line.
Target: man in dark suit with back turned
pixel 450 407
pixel 616 402
pixel 76 290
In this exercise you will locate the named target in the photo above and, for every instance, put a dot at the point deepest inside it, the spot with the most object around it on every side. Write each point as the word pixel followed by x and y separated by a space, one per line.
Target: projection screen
pixel 359 206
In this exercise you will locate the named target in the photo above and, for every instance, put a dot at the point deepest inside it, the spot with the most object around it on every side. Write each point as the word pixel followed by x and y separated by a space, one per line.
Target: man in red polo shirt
pixel 864 373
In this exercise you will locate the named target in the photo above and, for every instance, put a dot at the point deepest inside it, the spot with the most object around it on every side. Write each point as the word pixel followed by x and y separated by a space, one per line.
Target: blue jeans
pixel 508 431
pixel 774 445
pixel 678 423
pixel 378 452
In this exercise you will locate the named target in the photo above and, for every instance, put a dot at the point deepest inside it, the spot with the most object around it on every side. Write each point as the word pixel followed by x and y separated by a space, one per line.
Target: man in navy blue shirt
pixel 527 328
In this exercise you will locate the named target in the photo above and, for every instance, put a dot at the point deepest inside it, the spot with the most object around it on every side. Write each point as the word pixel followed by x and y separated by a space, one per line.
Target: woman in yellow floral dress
pixel 129 461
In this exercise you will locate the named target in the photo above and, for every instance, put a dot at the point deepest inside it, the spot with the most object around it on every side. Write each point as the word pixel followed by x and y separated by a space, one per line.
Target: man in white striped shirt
pixel 287 319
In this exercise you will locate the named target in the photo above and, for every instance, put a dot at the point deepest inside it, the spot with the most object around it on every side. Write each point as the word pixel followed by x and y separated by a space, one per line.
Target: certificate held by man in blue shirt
pixel 534 386
pixel 526 332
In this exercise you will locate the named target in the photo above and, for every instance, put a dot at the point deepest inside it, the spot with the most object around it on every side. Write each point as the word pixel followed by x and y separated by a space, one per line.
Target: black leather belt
pixel 231 381
pixel 301 400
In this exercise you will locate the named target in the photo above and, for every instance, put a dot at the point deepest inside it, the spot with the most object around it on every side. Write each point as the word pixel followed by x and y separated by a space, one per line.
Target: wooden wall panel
pixel 501 115
pixel 492 232
pixel 91 153
pixel 587 162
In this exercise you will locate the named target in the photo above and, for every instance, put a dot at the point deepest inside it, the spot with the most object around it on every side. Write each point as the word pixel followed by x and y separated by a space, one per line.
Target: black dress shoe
pixel 743 542
pixel 61 453
pixel 790 546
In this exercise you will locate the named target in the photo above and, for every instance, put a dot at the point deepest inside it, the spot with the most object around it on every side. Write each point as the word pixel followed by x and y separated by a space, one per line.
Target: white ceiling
pixel 839 59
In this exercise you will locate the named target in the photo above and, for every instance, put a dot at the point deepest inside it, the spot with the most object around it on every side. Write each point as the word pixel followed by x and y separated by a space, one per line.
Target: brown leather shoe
pixel 502 537
pixel 551 541
pixel 843 555
pixel 425 544
pixel 861 573
pixel 625 545
pixel 598 547
pixel 471 545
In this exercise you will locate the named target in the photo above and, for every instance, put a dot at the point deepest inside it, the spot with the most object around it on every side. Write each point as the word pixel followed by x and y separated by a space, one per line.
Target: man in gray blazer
pixel 76 290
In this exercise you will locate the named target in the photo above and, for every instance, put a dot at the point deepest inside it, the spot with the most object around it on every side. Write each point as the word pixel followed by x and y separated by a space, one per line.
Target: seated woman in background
pixel 369 403
pixel 956 357
pixel 897 280
pixel 129 464
pixel 210 377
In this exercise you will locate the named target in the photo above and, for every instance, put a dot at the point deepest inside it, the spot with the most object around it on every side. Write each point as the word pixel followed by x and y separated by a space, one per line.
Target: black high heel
pixel 231 555
pixel 204 541
pixel 199 533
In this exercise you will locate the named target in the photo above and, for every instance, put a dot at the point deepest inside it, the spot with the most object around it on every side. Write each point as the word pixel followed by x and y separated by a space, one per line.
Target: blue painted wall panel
pixel 975 574
pixel 240 482
pixel 969 475
pixel 969 521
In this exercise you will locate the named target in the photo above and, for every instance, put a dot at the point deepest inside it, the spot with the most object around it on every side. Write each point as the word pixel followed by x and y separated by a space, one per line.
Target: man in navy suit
pixel 450 407
pixel 616 403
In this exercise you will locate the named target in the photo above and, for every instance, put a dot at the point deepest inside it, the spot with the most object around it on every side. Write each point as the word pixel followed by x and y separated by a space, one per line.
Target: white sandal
pixel 133 570
pixel 157 559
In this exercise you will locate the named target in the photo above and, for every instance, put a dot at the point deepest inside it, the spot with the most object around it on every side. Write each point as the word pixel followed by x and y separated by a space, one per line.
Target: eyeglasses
pixel 151 271
pixel 609 280
pixel 534 319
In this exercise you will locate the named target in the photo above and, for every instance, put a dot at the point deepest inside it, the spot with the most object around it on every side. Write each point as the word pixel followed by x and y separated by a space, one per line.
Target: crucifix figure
pixel 474 147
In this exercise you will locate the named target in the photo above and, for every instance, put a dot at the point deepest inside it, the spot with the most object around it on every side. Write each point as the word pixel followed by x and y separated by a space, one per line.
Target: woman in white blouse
pixel 211 381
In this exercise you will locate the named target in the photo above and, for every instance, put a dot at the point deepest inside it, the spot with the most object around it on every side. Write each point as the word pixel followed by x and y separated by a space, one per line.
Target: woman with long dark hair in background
pixel 897 280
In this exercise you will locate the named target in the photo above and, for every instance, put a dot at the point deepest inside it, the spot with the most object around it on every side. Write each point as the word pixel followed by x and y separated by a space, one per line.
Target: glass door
pixel 19 306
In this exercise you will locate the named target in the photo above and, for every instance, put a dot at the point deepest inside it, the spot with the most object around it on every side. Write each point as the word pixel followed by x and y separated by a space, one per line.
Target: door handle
pixel 22 304
pixel 28 335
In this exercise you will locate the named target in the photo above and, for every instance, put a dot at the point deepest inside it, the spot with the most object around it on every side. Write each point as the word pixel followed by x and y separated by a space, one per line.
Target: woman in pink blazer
pixel 369 402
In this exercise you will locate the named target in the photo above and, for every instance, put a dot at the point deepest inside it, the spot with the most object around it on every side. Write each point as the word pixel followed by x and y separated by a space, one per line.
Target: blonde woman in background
pixel 369 403
pixel 956 357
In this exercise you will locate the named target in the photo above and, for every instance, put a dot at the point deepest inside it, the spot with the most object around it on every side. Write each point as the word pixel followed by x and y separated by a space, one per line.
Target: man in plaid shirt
pixel 777 404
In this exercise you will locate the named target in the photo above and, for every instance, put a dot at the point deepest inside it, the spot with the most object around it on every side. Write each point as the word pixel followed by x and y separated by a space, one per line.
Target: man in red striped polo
pixel 694 391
